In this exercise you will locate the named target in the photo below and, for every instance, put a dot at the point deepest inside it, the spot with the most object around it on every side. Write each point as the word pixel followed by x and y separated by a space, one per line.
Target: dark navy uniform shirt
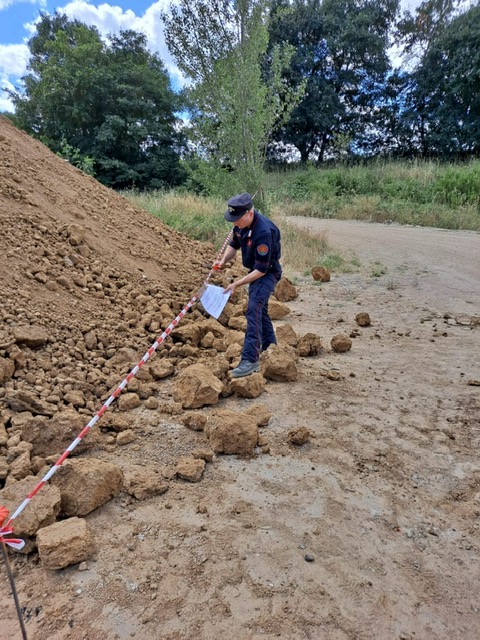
pixel 260 245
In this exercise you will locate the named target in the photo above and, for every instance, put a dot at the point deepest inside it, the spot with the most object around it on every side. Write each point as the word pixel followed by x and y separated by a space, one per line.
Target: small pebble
pixel 309 557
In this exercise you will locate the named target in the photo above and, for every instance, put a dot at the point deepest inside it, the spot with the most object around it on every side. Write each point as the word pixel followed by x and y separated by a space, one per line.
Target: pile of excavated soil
pixel 87 283
pixel 76 258
pixel 357 514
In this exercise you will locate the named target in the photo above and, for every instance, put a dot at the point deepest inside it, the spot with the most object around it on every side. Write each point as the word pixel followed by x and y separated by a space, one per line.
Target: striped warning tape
pixel 6 528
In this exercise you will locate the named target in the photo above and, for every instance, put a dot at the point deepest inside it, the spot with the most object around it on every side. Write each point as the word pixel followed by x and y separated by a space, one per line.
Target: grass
pixel 414 193
pixel 419 193
pixel 377 269
pixel 201 218
pixel 195 216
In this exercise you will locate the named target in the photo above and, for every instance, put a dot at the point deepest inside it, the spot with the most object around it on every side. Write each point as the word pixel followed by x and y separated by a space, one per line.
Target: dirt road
pixel 444 265
pixel 370 530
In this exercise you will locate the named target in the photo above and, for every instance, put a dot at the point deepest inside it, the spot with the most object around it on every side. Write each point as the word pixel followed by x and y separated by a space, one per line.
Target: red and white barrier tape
pixel 6 528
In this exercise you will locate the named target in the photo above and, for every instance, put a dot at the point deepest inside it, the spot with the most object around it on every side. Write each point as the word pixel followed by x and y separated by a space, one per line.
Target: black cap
pixel 238 207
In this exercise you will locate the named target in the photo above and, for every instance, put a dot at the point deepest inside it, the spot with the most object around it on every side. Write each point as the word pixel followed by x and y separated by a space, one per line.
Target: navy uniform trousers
pixel 260 334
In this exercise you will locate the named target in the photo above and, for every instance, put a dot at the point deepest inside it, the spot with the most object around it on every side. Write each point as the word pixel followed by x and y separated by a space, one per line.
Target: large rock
pixel 239 323
pixel 87 484
pixel 161 368
pixel 65 543
pixel 25 401
pixel 248 387
pixel 75 397
pixel 145 482
pixel 196 387
pixel 40 512
pixel 230 432
pixel 195 421
pixel 285 334
pixel 219 366
pixel 7 368
pixel 30 335
pixel 277 365
pixel 261 414
pixel 363 319
pixel 188 334
pixel 285 291
pixel 213 326
pixel 277 310
pixel 190 469
pixel 50 437
pixel 341 343
pixel 124 357
pixel 320 274
pixel 20 467
pixel 309 345
pixel 128 401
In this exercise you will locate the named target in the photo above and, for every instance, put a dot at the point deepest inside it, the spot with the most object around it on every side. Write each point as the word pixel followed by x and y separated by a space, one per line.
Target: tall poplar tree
pixel 220 46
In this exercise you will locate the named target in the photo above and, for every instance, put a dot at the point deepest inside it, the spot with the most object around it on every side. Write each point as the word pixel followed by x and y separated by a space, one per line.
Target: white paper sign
pixel 214 300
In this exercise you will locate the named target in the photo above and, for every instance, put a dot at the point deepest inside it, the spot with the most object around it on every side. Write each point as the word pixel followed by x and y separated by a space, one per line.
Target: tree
pixel 341 53
pixel 220 46
pixel 415 32
pixel 447 89
pixel 441 45
pixel 108 101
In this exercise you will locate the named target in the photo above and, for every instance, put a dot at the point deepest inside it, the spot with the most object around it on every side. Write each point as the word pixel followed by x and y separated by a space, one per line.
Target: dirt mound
pixel 79 253
pixel 82 269
pixel 87 283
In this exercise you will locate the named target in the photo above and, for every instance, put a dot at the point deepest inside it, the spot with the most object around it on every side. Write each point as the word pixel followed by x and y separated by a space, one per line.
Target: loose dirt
pixel 370 529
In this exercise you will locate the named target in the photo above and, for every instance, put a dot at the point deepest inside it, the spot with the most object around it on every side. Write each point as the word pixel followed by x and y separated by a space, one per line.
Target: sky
pixel 17 25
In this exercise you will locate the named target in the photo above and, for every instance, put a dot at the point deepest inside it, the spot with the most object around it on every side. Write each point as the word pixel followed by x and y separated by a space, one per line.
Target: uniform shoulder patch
pixel 262 249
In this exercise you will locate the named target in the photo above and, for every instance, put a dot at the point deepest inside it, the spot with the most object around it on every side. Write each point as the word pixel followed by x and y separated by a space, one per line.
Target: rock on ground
pixel 285 291
pixel 341 343
pixel 261 414
pixel 40 512
pixel 231 432
pixel 87 484
pixel 196 387
pixel 190 469
pixel 277 365
pixel 64 543
pixel 309 345
pixel 250 386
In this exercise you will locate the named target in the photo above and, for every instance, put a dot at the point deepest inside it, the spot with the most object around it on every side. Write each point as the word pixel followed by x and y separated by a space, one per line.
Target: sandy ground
pixel 383 502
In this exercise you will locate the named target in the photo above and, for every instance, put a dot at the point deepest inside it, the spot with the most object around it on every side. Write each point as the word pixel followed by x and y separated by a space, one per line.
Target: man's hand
pixel 218 265
pixel 231 287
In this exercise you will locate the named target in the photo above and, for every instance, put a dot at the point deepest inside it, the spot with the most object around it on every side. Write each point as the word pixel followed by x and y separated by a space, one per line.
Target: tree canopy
pixel 311 76
pixel 110 101
pixel 341 52
pixel 221 47
pixel 445 98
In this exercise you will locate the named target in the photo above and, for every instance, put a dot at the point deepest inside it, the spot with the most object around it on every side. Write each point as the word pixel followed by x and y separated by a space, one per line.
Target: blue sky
pixel 17 25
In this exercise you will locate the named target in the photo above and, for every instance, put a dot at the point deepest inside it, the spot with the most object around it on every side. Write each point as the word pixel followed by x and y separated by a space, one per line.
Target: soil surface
pixel 368 530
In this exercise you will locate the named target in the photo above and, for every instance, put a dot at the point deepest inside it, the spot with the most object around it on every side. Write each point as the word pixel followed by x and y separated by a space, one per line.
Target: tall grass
pixel 421 193
pixel 202 218
pixel 196 216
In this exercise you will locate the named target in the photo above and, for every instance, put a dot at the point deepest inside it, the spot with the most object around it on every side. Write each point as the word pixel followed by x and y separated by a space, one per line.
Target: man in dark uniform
pixel 259 240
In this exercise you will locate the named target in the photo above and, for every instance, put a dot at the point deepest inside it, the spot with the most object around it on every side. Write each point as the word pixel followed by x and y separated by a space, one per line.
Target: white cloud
pixel 4 4
pixel 112 19
pixel 5 103
pixel 13 59
pixel 13 64
pixel 107 19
